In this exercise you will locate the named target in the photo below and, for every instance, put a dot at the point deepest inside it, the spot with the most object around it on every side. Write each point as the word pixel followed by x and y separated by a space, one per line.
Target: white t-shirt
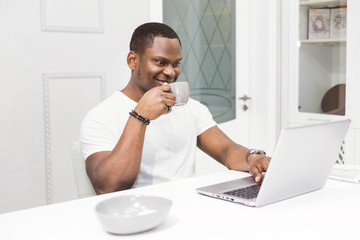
pixel 170 140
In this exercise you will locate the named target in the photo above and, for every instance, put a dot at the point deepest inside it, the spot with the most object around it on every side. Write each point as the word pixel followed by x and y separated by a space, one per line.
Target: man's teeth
pixel 162 81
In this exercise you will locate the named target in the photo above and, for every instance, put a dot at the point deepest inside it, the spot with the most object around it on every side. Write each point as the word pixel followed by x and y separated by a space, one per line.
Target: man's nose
pixel 170 71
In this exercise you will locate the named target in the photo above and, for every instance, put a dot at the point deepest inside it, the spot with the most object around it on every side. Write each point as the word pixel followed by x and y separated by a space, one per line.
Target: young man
pixel 135 138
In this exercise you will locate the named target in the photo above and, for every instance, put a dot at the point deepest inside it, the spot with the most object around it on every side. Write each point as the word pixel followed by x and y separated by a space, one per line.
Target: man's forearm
pixel 236 158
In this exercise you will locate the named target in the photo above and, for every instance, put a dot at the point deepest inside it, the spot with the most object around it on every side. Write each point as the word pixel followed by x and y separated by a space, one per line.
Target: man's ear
pixel 132 60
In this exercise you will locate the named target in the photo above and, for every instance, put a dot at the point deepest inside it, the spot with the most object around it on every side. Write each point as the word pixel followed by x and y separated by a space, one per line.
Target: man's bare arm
pixel 234 156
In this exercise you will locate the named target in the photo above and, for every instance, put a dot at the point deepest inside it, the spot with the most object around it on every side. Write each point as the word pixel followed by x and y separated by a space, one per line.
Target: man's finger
pixel 254 171
pixel 265 164
pixel 165 87
pixel 257 170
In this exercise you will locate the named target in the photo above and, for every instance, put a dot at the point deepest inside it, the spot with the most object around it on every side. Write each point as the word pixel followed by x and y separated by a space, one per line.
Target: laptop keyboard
pixel 249 192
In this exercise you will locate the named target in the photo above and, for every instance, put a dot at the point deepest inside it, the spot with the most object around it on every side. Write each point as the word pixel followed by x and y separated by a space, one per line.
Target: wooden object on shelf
pixel 333 101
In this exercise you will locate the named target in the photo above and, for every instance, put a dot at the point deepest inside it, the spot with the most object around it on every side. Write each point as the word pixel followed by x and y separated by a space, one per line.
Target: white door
pixel 213 32
pixel 257 74
pixel 215 63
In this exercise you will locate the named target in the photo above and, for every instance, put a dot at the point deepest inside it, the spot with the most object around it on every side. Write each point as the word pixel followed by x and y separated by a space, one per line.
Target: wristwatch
pixel 256 151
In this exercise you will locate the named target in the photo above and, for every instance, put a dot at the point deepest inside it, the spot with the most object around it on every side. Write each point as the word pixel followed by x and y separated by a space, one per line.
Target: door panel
pixel 215 63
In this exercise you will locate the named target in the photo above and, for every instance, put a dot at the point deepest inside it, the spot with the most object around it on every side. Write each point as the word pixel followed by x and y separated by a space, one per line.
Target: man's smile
pixel 161 81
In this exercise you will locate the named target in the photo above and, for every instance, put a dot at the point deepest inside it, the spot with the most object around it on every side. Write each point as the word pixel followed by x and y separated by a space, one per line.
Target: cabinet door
pixel 321 53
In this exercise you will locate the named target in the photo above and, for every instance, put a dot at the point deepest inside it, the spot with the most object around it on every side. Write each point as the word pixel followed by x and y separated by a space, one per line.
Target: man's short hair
pixel 143 36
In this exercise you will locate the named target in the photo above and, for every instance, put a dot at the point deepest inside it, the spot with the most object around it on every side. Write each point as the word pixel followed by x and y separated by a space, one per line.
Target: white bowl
pixel 132 213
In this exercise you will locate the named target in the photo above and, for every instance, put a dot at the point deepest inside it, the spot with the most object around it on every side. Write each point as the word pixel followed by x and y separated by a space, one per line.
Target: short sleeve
pixel 204 119
pixel 97 134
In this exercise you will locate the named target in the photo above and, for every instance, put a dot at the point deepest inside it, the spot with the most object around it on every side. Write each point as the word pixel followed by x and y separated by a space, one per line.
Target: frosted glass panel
pixel 206 30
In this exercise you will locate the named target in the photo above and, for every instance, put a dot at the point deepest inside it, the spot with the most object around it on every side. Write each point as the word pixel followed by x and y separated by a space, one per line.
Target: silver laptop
pixel 301 163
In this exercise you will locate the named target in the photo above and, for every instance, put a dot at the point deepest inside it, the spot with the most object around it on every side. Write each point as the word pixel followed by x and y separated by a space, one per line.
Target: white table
pixel 330 213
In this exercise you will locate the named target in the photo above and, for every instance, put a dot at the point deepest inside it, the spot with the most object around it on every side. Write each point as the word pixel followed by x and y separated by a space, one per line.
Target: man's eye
pixel 159 62
pixel 176 64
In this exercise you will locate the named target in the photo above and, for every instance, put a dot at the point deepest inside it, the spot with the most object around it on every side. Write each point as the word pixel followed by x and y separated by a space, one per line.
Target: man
pixel 135 138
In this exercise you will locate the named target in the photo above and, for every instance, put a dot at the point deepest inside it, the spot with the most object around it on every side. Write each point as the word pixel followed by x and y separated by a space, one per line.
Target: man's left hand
pixel 257 163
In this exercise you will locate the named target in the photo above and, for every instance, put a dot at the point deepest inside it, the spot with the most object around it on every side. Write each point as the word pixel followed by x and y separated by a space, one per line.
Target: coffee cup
pixel 181 90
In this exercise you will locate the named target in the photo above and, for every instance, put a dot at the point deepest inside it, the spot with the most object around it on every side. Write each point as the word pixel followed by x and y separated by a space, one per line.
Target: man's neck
pixel 132 92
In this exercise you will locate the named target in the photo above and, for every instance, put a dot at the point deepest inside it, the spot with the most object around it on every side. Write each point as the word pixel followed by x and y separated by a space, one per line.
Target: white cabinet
pixel 321 67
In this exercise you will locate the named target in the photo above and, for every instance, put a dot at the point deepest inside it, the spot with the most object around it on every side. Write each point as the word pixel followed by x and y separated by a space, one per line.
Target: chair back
pixel 83 184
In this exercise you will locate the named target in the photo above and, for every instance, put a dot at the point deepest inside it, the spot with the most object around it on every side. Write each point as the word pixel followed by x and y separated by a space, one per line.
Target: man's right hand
pixel 155 102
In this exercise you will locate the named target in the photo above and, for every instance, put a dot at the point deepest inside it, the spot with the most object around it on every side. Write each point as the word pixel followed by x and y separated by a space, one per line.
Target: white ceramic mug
pixel 181 90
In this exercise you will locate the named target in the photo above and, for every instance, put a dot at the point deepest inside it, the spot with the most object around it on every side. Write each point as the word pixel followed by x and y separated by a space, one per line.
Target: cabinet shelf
pixel 323 3
pixel 323 41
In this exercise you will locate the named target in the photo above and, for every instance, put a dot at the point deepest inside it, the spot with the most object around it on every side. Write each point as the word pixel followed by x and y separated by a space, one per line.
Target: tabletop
pixel 329 213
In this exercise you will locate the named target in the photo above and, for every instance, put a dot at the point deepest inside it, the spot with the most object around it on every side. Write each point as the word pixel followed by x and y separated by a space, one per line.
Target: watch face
pixel 257 151
pixel 251 151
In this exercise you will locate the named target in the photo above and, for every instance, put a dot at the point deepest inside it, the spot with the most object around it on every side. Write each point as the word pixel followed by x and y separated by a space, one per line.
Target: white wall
pixel 57 59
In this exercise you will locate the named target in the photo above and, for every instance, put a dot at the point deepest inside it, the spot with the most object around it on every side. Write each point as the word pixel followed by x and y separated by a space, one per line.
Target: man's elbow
pixel 103 188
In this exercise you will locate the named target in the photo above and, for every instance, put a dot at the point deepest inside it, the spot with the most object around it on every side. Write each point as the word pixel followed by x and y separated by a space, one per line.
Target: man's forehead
pixel 174 42
pixel 165 46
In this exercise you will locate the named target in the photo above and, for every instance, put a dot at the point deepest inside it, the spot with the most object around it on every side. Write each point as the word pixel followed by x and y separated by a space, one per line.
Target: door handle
pixel 244 98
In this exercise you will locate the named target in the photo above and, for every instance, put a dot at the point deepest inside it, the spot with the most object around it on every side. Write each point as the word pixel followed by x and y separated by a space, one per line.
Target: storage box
pixel 319 24
pixel 338 22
